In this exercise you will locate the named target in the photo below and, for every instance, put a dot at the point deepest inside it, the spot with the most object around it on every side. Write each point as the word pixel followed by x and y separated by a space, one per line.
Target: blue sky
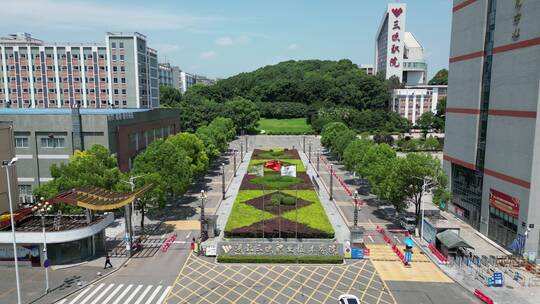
pixel 223 38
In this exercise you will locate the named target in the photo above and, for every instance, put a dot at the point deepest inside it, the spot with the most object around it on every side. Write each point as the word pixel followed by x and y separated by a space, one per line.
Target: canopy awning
pixel 94 198
pixel 451 240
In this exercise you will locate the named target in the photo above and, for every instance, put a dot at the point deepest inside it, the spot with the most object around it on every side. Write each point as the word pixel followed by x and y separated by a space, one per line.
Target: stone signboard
pixel 280 248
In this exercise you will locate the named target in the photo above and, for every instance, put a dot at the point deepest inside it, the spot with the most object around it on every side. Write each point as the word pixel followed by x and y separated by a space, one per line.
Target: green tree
pixel 169 97
pixel 376 163
pixel 330 131
pixel 243 112
pixel 93 167
pixel 225 125
pixel 355 151
pixel 194 147
pixel 167 167
pixel 440 78
pixel 342 140
pixel 426 122
pixel 441 115
pixel 432 144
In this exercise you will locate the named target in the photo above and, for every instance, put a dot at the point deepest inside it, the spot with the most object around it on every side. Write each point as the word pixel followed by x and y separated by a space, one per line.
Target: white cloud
pixel 208 55
pixel 228 41
pixel 87 15
pixel 292 46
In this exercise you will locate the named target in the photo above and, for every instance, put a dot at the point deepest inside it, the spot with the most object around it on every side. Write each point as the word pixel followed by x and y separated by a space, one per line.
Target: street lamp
pixel 223 179
pixel 355 208
pixel 204 233
pixel 425 185
pixel 331 181
pixel 309 151
pixel 241 151
pixel 304 144
pixel 42 209
pixel 7 164
pixel 234 151
pixel 318 161
pixel 129 213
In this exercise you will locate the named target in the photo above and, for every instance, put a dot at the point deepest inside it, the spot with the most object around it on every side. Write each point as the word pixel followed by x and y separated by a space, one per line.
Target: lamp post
pixel 309 151
pixel 42 209
pixel 241 151
pixel 304 144
pixel 331 181
pixel 234 151
pixel 204 233
pixel 223 179
pixel 129 213
pixel 425 185
pixel 318 161
pixel 7 164
pixel 246 142
pixel 355 219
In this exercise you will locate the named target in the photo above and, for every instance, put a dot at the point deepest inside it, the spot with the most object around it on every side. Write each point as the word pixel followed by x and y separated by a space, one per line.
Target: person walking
pixel 107 261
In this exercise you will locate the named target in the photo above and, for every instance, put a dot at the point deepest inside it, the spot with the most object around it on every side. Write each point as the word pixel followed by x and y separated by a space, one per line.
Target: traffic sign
pixel 357 253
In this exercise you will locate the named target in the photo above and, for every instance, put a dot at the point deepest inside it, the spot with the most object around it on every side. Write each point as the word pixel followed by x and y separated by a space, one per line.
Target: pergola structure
pixel 98 199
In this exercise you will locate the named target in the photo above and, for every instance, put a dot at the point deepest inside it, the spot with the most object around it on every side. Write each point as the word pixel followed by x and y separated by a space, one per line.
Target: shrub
pixel 280 259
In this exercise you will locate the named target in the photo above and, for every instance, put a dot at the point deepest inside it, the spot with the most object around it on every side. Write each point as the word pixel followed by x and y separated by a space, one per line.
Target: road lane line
pixel 188 235
pixel 91 294
pixel 81 294
pixel 371 238
pixel 113 293
pixel 163 295
pixel 102 293
pixel 133 294
pixel 153 295
pixel 141 297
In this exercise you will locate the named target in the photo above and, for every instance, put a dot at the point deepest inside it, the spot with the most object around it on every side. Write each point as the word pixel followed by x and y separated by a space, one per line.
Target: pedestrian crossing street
pixel 119 294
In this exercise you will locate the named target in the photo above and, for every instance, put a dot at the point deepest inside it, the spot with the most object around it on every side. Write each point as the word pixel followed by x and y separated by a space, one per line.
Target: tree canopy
pixel 441 78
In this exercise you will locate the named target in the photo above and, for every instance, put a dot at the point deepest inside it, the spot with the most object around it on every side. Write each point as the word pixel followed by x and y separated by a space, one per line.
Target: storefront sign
pixel 280 248
pixel 504 202
pixel 23 252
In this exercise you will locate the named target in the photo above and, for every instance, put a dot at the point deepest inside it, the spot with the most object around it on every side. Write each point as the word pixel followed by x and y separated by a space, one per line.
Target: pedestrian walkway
pixel 119 294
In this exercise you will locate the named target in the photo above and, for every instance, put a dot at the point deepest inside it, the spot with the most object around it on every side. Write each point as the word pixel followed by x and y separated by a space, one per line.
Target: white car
pixel 348 299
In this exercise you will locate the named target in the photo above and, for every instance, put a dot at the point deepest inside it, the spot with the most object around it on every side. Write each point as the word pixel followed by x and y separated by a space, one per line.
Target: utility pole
pixel 241 151
pixel 355 220
pixel 304 144
pixel 42 209
pixel 318 161
pixel 246 142
pixel 223 179
pixel 331 181
pixel 8 164
pixel 204 233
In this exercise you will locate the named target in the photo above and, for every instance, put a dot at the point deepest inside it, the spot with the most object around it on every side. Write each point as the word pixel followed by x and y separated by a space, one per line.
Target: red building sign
pixel 504 202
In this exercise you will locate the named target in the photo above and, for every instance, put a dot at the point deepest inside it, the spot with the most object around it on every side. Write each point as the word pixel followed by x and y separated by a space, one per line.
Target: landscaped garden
pixel 275 205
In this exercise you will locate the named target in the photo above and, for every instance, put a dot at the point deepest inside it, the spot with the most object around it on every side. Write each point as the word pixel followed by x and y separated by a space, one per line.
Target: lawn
pixel 291 126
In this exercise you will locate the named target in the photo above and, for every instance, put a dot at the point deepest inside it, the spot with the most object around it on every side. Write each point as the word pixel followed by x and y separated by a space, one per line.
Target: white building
pixel 397 52
pixel 188 80
pixel 413 101
pixel 369 69
pixel 170 76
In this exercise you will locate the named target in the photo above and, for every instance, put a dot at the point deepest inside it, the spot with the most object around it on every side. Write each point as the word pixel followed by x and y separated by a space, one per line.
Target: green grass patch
pixel 243 214
pixel 298 162
pixel 275 154
pixel 276 181
pixel 291 126
pixel 280 259
pixel 313 215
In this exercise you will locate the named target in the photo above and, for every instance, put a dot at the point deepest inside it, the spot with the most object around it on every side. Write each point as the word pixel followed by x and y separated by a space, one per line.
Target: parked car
pixel 348 299
pixel 387 211
pixel 407 222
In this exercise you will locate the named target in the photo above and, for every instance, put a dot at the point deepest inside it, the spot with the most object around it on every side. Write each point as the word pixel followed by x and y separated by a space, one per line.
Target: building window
pixel 123 80
pixel 122 57
pixel 115 69
pixel 122 69
pixel 124 102
pixel 52 142
pixel 115 91
pixel 115 80
pixel 124 91
pixel 114 57
pixel 121 45
pixel 113 45
pixel 21 142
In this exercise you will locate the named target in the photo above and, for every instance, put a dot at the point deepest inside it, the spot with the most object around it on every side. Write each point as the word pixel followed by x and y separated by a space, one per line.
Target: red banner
pixel 274 165
pixel 504 202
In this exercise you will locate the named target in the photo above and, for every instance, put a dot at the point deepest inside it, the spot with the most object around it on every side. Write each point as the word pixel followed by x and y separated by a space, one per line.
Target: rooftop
pixel 56 111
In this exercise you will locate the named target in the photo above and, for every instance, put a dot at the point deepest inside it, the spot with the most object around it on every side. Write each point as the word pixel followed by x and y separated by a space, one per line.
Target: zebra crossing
pixel 119 294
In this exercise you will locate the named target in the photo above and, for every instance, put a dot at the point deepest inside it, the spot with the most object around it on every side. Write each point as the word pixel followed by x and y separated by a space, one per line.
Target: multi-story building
pixel 44 137
pixel 413 101
pixel 397 52
pixel 170 76
pixel 7 152
pixel 188 80
pixel 120 73
pixel 368 68
pixel 492 147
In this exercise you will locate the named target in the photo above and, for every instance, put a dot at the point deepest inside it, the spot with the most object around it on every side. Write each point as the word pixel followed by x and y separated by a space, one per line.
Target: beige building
pixel 7 152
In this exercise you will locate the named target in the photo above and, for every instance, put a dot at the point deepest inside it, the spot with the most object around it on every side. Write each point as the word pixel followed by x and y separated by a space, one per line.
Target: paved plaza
pixel 203 281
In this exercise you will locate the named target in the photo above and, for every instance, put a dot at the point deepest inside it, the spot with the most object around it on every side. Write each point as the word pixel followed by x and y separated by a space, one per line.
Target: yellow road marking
pixel 318 285
pixel 367 286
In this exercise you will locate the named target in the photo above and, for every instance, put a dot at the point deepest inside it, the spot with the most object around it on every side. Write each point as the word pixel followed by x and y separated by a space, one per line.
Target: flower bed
pixel 273 181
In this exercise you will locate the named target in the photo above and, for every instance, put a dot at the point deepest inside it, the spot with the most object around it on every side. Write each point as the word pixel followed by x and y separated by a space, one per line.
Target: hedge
pixel 304 259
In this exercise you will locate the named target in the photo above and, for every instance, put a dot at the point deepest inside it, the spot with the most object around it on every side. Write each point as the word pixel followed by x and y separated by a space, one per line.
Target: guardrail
pixel 438 254
pixel 389 241
pixel 168 243
pixel 482 296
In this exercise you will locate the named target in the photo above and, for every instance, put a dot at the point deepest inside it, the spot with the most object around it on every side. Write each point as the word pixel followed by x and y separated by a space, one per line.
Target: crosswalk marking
pixel 80 296
pixel 92 293
pixel 153 295
pixel 165 293
pixel 134 293
pixel 143 294
pixel 102 294
pixel 112 294
pixel 123 294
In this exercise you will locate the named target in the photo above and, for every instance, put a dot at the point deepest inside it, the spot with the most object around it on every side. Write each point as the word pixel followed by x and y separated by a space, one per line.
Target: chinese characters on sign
pixel 396 39
pixel 517 18
pixel 280 248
